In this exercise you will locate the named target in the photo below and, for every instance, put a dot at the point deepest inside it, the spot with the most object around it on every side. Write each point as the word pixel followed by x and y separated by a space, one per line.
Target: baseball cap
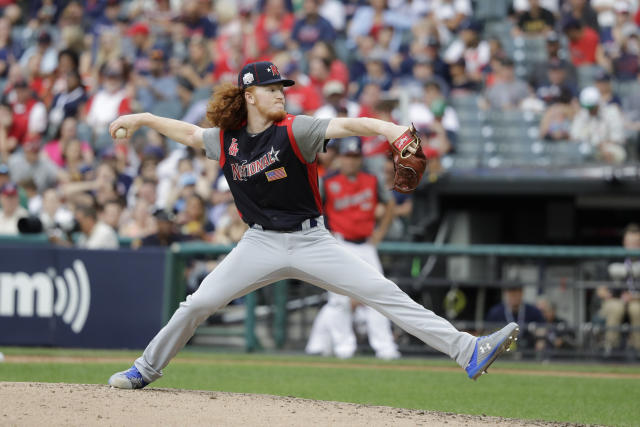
pixel 31 144
pixel 163 215
pixel 4 169
pixel 9 189
pixel 589 97
pixel 602 76
pixel 333 87
pixel 470 24
pixel 556 64
pixel 260 74
pixel 187 178
pixel 44 38
pixel 351 145
pixel 138 28
pixel 438 107
pixel 20 83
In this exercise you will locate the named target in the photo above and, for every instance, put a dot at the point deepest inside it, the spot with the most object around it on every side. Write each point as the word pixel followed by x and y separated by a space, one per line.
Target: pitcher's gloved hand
pixel 409 161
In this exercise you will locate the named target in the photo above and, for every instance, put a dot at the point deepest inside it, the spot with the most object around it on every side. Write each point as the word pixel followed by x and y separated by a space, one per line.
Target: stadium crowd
pixel 67 69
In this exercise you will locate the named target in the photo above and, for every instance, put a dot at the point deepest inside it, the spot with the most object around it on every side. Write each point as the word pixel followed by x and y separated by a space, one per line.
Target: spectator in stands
pixel 376 73
pixel 111 212
pixel 535 21
pixel 196 21
pixel 274 24
pixel 29 164
pixel 110 101
pixel 584 44
pixel 230 227
pixel 558 334
pixel 422 71
pixel 581 11
pixel 95 234
pixel 539 73
pixel 557 85
pixel 312 27
pixel 601 125
pixel 603 84
pixel 4 174
pixel 7 143
pixel 67 103
pixel 197 68
pixel 165 235
pixel 11 210
pixel 626 61
pixel 303 97
pixel 514 309
pixel 29 114
pixel 139 223
pixel 334 92
pixel 555 124
pixel 54 214
pixel 141 42
pixel 56 149
pixel 624 296
pixel 435 119
pixel 159 85
pixel 461 84
pixel 193 221
pixel 508 91
pixel 337 69
pixel 472 48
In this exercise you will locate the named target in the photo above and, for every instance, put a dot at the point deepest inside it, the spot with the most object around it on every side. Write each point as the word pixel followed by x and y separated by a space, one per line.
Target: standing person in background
pixel 269 159
pixel 618 302
pixel 350 200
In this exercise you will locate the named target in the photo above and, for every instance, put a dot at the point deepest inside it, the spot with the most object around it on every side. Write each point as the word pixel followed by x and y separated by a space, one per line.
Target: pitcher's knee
pixel 199 307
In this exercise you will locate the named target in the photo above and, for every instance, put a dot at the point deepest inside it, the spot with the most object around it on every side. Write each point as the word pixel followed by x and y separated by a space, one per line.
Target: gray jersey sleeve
pixel 309 133
pixel 211 139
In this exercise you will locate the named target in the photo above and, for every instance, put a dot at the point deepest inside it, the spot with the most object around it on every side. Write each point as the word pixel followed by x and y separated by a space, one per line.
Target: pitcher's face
pixel 269 100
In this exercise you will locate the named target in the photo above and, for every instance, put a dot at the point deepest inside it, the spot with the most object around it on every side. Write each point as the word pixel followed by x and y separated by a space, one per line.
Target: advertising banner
pixel 80 298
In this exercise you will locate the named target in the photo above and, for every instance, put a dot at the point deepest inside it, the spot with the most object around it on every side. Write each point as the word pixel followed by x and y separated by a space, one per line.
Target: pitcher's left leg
pixel 327 264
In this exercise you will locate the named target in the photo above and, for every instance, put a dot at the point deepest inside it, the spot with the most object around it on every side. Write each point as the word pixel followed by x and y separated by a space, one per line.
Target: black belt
pixel 356 241
pixel 312 223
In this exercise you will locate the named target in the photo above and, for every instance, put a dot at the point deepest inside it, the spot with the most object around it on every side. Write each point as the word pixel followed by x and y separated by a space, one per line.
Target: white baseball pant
pixel 312 255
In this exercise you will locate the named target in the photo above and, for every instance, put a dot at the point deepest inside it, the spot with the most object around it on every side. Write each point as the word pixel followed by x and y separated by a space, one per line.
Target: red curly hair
pixel 228 108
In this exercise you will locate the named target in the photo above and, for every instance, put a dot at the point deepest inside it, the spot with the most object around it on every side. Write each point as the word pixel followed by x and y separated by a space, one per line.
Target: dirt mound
pixel 89 404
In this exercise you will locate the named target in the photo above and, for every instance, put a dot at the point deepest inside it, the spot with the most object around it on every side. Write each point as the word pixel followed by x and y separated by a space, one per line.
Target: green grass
pixel 361 380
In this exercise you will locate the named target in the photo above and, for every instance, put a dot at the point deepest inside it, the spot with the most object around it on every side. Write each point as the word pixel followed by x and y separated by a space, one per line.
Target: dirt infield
pixel 31 404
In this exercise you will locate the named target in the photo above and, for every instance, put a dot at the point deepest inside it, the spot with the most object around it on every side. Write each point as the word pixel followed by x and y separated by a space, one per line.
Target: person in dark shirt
pixel 514 309
pixel 536 20
pixel 165 234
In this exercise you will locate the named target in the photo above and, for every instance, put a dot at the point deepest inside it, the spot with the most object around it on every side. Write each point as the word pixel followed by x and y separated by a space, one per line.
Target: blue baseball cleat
pixel 489 347
pixel 129 379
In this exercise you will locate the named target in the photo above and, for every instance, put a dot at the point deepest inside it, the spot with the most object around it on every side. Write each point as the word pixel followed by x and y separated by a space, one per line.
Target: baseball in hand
pixel 121 133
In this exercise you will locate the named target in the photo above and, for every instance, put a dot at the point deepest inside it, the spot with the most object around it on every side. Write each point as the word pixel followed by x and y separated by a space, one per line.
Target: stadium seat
pixel 586 74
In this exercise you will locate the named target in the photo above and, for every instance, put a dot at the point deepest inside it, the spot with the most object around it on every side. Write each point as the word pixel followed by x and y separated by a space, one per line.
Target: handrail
pixel 418 248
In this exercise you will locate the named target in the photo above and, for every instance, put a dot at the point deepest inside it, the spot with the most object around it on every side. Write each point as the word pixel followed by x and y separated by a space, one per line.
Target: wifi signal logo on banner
pixel 19 292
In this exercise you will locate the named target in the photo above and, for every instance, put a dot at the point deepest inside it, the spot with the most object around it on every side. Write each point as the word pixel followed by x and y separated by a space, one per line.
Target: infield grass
pixel 543 392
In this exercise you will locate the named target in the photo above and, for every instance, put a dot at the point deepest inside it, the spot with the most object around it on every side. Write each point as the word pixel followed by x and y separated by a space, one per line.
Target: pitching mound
pixel 82 405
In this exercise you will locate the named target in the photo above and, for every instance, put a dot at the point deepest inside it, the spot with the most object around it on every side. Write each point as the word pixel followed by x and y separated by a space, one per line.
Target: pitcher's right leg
pixel 254 263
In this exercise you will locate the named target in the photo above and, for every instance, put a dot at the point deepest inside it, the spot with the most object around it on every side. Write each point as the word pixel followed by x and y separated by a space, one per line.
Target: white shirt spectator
pixel 475 58
pixel 9 224
pixel 421 116
pixel 607 126
pixel 333 11
pixel 102 237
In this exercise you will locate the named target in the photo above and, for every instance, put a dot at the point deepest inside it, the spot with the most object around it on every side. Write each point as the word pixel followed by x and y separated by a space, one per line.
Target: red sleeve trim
pixel 223 158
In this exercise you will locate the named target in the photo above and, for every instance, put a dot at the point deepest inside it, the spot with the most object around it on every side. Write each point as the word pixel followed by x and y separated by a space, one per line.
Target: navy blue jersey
pixel 271 182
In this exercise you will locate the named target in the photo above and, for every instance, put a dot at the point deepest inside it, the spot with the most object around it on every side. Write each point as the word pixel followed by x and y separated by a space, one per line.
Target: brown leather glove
pixel 408 166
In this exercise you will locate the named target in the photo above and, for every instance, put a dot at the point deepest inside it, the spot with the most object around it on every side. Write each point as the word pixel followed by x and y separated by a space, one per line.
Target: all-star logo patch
pixel 247 78
pixel 276 174
pixel 233 148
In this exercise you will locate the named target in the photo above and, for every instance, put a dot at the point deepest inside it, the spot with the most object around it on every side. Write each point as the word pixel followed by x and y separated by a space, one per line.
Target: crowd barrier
pixel 119 299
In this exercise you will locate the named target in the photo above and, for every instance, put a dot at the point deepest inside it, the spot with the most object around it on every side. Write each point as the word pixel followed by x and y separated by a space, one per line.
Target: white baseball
pixel 121 133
